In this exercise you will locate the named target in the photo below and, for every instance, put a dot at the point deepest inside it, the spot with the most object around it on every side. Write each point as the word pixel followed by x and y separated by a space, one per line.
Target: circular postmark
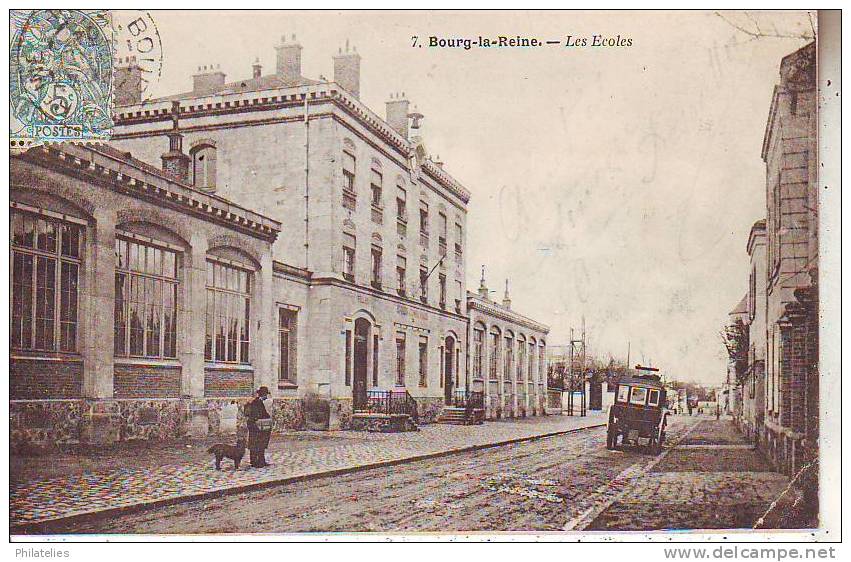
pixel 60 71
pixel 138 55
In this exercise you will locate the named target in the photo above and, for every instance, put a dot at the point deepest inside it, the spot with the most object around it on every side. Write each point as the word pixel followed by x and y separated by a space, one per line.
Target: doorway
pixel 362 331
pixel 448 368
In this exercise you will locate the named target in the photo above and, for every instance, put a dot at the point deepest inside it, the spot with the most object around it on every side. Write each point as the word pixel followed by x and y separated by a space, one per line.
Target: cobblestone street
pixel 555 483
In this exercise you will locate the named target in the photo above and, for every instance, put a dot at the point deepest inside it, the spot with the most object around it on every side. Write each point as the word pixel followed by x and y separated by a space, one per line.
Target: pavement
pixel 711 479
pixel 40 502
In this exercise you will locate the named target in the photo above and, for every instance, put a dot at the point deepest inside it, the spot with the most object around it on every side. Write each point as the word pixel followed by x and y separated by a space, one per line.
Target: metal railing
pixel 389 402
pixel 462 398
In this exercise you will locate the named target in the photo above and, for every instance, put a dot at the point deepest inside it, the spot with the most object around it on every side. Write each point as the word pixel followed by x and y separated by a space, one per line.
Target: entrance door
pixel 362 331
pixel 448 368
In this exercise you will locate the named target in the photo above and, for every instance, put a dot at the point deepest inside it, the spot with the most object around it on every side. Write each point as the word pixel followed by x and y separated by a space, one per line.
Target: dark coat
pixel 254 411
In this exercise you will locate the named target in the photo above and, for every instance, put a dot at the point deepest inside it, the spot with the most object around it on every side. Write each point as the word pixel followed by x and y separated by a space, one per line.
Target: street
pixel 566 482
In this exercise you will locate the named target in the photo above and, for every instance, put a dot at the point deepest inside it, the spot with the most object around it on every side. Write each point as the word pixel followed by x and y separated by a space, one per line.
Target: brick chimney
pixel 347 70
pixel 208 80
pixel 397 113
pixel 288 64
pixel 128 82
pixel 256 69
pixel 175 162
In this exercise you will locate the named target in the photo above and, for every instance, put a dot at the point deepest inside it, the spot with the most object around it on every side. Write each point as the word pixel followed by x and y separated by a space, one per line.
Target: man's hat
pixel 263 391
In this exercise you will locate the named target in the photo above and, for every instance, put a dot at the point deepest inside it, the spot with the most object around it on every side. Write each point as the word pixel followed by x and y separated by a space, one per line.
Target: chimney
pixel 347 70
pixel 128 82
pixel 208 80
pixel 506 300
pixel 256 69
pixel 288 65
pixel 397 113
pixel 483 289
pixel 175 162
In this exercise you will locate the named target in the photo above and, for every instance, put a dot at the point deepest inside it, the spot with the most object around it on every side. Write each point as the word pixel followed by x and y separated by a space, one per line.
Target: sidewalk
pixel 291 457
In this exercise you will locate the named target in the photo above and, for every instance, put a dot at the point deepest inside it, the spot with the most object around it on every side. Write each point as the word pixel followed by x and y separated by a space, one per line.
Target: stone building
pixel 791 358
pixel 752 385
pixel 121 275
pixel 508 357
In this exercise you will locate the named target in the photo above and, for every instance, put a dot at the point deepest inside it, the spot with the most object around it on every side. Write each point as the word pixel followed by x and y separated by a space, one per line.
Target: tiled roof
pixel 269 82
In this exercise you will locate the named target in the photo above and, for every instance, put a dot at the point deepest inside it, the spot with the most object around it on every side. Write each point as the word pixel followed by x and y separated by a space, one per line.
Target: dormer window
pixel 204 165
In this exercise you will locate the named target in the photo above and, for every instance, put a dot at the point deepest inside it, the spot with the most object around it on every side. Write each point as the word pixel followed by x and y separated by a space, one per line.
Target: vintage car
pixel 639 415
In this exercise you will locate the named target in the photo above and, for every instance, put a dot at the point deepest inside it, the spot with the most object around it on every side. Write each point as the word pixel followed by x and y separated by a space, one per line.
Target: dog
pixel 232 452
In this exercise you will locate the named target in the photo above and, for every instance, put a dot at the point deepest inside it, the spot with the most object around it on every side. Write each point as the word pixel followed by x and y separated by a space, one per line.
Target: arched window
pixel 229 286
pixel 147 280
pixel 478 350
pixel 509 356
pixel 46 250
pixel 204 166
pixel 496 344
pixel 521 358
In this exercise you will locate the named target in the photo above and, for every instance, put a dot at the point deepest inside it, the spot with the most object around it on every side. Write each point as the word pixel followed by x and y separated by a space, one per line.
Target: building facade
pixel 139 305
pixel 355 285
pixel 752 385
pixel 508 357
pixel 790 156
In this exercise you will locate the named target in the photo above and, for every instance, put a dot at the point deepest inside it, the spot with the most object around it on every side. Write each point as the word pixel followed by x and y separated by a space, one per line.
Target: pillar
pixel 102 417
pixel 193 336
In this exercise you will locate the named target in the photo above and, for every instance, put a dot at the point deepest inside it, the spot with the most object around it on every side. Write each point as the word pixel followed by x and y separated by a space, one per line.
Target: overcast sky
pixel 615 183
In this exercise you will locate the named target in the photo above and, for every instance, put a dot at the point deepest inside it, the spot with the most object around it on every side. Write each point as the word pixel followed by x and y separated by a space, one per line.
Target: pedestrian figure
pixel 259 420
pixel 717 412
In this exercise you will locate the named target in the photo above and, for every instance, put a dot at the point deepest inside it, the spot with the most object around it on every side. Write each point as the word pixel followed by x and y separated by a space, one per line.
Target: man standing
pixel 259 418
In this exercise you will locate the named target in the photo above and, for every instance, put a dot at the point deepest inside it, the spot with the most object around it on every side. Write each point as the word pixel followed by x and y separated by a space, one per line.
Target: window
pixel 204 166
pixel 287 345
pixel 459 298
pixel 375 360
pixel 532 374
pixel 441 238
pixel 521 360
pixel 375 187
pixel 349 257
pixel 495 342
pixel 349 195
pixel 423 223
pixel 376 267
pixel 638 396
pixel 623 393
pixel 509 357
pixel 228 312
pixel 401 203
pixel 459 241
pixel 423 360
pixel 423 284
pixel 146 285
pixel 653 397
pixel 400 358
pixel 442 281
pixel 45 277
pixel 478 350
pixel 401 268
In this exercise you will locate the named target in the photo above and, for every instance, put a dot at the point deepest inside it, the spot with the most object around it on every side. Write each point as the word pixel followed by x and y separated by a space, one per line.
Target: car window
pixel 623 393
pixel 653 399
pixel 638 396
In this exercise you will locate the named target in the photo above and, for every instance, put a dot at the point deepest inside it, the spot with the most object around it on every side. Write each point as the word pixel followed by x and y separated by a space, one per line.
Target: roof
pixel 137 178
pixel 646 381
pixel 742 307
pixel 268 82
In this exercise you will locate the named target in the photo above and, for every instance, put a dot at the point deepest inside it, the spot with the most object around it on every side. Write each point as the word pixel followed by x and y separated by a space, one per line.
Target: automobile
pixel 639 415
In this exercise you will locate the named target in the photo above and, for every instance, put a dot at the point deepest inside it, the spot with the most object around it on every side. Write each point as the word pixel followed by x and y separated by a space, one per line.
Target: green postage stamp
pixel 61 70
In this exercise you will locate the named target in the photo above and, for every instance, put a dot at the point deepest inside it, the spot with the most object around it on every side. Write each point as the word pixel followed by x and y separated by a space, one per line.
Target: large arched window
pixel 147 280
pixel 478 350
pixel 229 286
pixel 521 358
pixel 204 165
pixel 496 344
pixel 509 356
pixel 46 250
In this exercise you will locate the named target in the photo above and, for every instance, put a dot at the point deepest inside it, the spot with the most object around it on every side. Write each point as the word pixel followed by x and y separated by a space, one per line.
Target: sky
pixel 618 184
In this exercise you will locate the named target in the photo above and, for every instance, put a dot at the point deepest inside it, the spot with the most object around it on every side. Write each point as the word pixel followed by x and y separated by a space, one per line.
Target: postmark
pixel 138 56
pixel 60 87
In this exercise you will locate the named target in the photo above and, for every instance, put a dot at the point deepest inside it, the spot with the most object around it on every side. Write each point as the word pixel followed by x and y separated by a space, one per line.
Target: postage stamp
pixel 60 83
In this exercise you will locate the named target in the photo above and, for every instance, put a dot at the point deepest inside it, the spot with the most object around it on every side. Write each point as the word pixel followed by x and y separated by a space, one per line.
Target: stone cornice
pixel 128 176
pixel 497 311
